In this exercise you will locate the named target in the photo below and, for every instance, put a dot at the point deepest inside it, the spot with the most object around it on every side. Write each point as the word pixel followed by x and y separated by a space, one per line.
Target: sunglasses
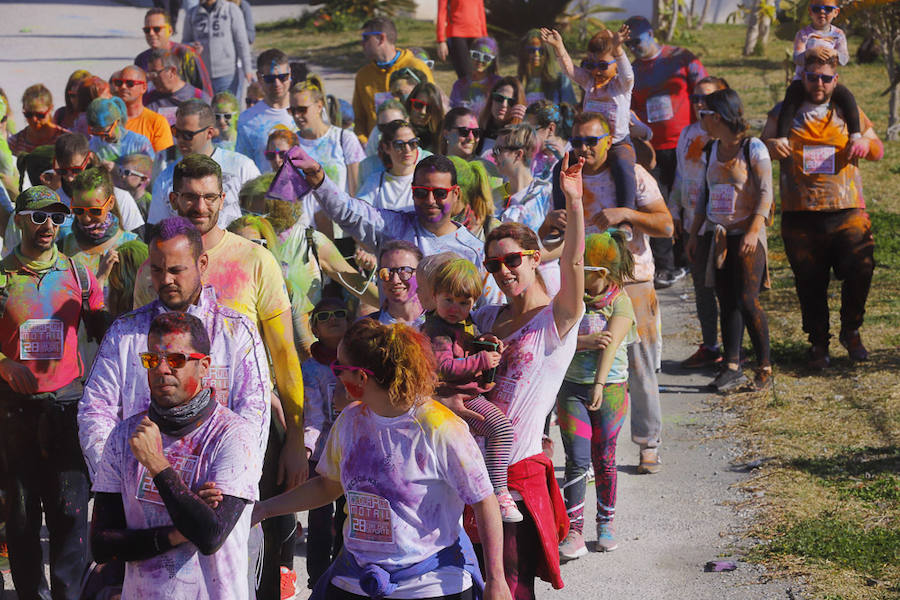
pixel 327 315
pixel 590 269
pixel 126 172
pixel 104 133
pixel 175 360
pixel 418 104
pixel 94 211
pixel 698 98
pixel 271 77
pixel 368 34
pixel 63 171
pixel 400 145
pixel 224 116
pixel 482 57
pixel 632 43
pixel 404 273
pixel 129 83
pixel 496 97
pixel 823 8
pixel 185 134
pixel 271 154
pixel 299 111
pixel 589 140
pixel 536 50
pixel 39 217
pixel 600 65
pixel 511 260
pixel 815 77
pixel 193 198
pixel 465 132
pixel 421 192
pixel 33 114
pixel 155 29
pixel 337 368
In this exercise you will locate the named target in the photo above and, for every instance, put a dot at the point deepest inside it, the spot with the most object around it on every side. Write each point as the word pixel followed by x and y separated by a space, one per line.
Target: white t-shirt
pixel 532 369
pixel 335 151
pixel 237 170
pixel 384 190
pixel 600 193
pixel 613 100
pixel 406 480
pixel 253 129
pixel 215 451
pixel 529 206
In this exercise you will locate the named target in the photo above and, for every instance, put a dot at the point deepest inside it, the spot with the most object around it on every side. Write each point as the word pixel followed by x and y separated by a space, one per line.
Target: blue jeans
pixel 226 83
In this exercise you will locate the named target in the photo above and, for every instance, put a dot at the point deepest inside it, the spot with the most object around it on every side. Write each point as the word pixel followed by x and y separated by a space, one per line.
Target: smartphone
pixel 488 375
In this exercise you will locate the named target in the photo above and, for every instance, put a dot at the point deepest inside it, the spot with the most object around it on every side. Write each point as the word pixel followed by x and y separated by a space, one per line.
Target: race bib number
pixel 41 339
pixel 370 518
pixel 607 109
pixel 818 160
pixel 184 465
pixel 218 378
pixel 721 199
pixel 381 98
pixel 591 323
pixel 659 108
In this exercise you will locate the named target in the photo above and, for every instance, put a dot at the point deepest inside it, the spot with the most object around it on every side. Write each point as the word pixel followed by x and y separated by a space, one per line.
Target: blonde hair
pixel 312 84
pixel 459 278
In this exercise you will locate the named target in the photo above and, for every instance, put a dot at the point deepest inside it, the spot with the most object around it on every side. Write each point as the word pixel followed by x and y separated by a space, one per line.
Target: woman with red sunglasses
pixel 540 336
pixel 37 105
pixel 402 538
pixel 426 114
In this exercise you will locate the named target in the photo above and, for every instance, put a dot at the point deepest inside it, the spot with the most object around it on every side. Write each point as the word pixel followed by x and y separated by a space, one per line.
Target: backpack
pixel 745 149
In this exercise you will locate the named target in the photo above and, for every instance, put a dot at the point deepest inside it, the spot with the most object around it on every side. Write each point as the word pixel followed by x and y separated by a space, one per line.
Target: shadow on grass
pixel 853 462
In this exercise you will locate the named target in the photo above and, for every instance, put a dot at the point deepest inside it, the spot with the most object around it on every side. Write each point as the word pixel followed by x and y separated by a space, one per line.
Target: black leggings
pixel 796 94
pixel 738 283
pixel 458 51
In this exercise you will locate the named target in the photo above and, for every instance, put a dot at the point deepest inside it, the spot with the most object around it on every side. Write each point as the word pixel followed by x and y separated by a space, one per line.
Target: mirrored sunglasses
pixel 175 360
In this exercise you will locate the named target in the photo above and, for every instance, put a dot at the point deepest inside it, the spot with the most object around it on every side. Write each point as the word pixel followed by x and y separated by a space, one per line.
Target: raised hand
pixel 552 37
pixel 570 178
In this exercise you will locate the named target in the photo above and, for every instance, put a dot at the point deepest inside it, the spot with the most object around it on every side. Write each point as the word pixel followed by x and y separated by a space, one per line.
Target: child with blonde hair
pixel 465 365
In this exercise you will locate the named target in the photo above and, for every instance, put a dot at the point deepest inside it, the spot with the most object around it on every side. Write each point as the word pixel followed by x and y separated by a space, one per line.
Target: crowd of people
pixel 228 296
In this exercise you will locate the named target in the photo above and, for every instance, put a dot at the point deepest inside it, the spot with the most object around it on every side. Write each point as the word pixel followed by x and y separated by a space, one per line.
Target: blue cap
pixel 638 25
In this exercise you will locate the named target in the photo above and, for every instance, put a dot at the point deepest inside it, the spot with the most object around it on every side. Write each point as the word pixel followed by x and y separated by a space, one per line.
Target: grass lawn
pixel 831 479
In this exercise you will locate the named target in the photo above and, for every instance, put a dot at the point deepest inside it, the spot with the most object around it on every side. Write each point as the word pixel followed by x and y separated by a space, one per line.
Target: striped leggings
pixel 589 437
pixel 498 438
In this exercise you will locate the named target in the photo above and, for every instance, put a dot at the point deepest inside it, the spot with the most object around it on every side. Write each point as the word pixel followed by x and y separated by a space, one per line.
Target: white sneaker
pixel 509 512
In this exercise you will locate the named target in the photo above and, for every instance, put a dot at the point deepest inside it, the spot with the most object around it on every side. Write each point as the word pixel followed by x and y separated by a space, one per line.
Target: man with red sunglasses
pixel 44 297
pixel 158 32
pixel 130 84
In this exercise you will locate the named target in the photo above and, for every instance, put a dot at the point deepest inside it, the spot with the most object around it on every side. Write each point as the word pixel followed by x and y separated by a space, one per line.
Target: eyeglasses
pixel 271 154
pixel 511 260
pixel 175 360
pixel 326 315
pixel 600 65
pixel 418 104
pixel 156 73
pixel 497 97
pixel 589 140
pixel 271 77
pixel 404 273
pixel 337 368
pixel 698 98
pixel 400 145
pixel 104 133
pixel 185 134
pixel 705 111
pixel 465 132
pixel 814 77
pixel 95 211
pixel 823 8
pixel 33 114
pixel 129 83
pixel 126 172
pixel 39 217
pixel 155 29
pixel 63 171
pixel 421 192
pixel 224 116
pixel 299 111
pixel 482 57
pixel 192 197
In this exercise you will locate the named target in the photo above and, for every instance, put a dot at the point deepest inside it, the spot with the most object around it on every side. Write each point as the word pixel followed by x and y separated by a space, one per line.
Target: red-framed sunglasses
pixel 72 170
pixel 175 360
pixel 421 192
pixel 511 260
pixel 337 368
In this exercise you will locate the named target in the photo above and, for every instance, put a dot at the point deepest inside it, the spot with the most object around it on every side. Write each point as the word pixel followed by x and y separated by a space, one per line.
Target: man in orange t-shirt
pixel 824 222
pixel 129 84
pixel 459 23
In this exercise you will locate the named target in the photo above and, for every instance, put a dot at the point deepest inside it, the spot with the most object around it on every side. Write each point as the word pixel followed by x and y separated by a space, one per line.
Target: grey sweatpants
pixel 643 360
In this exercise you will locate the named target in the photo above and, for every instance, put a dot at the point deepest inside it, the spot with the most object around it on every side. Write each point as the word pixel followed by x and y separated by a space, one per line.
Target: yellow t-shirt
pixel 245 275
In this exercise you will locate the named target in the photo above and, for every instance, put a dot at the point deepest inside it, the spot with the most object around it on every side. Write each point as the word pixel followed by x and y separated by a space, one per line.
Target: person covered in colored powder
pixel 110 140
pixel 148 507
pixel 403 536
pixel 37 106
pixel 398 288
pixel 45 298
pixel 132 174
pixel 472 88
pixel 593 400
pixel 130 84
pixel 399 152
pixel 227 109
pixel 539 74
pixel 158 32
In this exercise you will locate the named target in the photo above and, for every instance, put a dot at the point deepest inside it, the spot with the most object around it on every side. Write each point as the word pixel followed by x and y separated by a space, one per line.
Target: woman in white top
pixel 399 151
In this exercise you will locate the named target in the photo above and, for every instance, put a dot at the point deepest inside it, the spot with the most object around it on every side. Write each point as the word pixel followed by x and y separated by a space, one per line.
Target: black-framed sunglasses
pixel 175 360
pixel 156 29
pixel 271 77
pixel 599 65
pixel 327 315
pixel 511 260
pixel 185 134
pixel 589 140
pixel 39 217
pixel 224 116
pixel 823 8
pixel 271 154
pixel 465 132
pixel 698 98
pixel 498 97
pixel 815 77
pixel 404 273
pixel 400 145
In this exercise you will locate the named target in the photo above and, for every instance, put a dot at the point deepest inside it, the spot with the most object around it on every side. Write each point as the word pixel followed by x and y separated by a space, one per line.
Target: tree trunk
pixel 893 132
pixel 674 22
pixel 689 16
pixel 703 14
pixel 659 7
pixel 752 29
pixel 765 25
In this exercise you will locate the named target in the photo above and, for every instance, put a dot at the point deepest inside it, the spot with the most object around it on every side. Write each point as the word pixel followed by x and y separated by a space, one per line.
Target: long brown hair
pixel 520 234
pixel 486 119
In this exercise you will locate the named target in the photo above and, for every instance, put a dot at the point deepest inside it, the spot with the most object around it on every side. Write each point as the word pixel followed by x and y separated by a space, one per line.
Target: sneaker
pixel 509 512
pixel 288 584
pixel 649 462
pixel 702 358
pixel 680 273
pixel 817 357
pixel 763 379
pixel 663 280
pixel 729 380
pixel 573 546
pixel 606 542
pixel 853 343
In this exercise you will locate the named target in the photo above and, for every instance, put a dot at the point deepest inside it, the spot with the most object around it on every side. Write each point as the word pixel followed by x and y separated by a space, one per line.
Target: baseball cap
pixel 40 197
pixel 638 25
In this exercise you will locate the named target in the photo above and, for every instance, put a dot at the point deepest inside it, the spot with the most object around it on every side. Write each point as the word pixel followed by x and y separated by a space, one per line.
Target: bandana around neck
pixel 96 233
pixel 180 420
pixel 38 266
pixel 603 299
